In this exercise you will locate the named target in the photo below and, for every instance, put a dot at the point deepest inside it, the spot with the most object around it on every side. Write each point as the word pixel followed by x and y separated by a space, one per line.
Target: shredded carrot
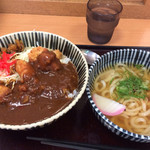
pixel 6 63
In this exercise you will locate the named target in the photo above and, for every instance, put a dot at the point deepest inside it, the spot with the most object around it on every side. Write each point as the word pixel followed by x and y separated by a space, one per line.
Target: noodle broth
pixel 130 86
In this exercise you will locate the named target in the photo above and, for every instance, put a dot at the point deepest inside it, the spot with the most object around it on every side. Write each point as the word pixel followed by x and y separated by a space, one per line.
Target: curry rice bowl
pixel 46 43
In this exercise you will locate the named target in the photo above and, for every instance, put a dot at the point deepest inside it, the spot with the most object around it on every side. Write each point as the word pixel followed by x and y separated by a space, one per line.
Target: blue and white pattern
pixel 50 41
pixel 127 56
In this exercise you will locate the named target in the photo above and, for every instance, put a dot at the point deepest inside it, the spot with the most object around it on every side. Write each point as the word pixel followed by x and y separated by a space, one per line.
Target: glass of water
pixel 102 17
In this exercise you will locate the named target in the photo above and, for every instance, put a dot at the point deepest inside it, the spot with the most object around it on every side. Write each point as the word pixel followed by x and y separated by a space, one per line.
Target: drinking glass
pixel 102 17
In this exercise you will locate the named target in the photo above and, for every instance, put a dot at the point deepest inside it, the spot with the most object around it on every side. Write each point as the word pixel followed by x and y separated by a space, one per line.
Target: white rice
pixel 65 60
pixel 71 95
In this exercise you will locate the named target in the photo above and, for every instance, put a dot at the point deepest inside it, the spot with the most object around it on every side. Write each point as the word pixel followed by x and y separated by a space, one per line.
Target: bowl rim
pixel 107 122
pixel 67 108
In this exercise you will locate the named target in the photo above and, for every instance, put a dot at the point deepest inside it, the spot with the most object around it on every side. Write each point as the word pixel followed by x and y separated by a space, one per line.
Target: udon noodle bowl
pixel 130 86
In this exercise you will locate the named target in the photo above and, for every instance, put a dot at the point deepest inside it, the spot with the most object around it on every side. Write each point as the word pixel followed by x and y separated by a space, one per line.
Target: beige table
pixel 129 32
pixel 79 124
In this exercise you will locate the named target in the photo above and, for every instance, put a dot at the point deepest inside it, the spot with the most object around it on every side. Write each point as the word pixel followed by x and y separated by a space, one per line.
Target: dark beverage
pixel 101 21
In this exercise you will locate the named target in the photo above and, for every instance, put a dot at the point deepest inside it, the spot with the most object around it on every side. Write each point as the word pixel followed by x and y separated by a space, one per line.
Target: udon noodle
pixel 136 117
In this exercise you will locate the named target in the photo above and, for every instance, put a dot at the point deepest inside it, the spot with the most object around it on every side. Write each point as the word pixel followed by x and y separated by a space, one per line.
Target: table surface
pixel 80 123
pixel 129 32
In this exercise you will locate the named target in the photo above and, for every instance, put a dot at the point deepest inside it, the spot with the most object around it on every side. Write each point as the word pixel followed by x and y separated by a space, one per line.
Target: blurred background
pixel 138 9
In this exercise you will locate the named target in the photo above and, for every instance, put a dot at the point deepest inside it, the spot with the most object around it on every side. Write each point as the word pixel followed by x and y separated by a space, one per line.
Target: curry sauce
pixel 45 88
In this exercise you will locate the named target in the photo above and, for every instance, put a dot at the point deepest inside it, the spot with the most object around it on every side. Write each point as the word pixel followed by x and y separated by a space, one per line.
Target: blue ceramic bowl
pixel 50 41
pixel 126 56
